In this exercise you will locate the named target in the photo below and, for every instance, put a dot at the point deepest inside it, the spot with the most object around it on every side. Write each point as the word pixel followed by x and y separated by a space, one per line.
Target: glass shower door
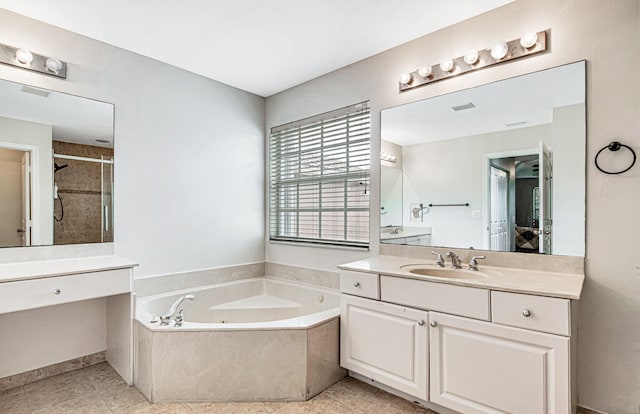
pixel 107 199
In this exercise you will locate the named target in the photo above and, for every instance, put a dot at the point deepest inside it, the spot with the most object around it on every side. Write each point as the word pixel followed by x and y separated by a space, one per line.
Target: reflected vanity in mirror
pixel 496 167
pixel 56 168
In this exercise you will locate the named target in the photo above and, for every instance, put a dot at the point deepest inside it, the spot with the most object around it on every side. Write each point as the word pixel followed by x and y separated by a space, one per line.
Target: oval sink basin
pixel 447 273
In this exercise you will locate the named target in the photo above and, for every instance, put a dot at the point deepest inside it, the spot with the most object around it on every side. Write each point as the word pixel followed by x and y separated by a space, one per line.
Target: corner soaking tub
pixel 259 339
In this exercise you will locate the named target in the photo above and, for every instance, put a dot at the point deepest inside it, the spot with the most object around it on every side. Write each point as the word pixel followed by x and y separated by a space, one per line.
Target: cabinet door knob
pixel 57 291
pixel 433 324
pixel 526 313
pixel 421 322
pixel 356 284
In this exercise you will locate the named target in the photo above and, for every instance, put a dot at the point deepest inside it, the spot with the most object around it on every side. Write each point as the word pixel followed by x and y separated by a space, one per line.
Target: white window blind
pixel 319 178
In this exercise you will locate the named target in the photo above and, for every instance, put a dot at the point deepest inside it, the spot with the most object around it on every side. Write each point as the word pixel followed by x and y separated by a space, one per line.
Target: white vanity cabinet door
pixel 387 343
pixel 479 367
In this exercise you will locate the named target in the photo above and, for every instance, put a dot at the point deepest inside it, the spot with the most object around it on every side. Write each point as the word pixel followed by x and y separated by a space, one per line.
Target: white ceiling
pixel 529 98
pixel 261 46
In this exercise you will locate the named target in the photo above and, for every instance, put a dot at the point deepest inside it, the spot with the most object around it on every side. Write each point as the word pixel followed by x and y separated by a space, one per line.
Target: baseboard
pixel 34 375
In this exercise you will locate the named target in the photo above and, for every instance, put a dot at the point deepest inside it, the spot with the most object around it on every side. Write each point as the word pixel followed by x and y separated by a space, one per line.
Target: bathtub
pixel 258 339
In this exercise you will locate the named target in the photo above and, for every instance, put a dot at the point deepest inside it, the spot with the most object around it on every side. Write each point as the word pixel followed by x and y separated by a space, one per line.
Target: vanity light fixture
pixel 405 78
pixel 471 57
pixel 447 65
pixel 501 52
pixel 386 156
pixel 23 56
pixel 425 71
pixel 26 59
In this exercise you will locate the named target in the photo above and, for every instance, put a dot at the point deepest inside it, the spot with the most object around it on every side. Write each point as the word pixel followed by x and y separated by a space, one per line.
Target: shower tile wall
pixel 79 187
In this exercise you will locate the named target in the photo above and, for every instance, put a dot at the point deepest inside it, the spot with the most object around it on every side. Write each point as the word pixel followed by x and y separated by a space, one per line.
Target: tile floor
pixel 98 389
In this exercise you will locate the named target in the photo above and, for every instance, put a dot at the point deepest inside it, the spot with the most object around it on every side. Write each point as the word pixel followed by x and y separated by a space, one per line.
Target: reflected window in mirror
pixel 56 168
pixel 496 167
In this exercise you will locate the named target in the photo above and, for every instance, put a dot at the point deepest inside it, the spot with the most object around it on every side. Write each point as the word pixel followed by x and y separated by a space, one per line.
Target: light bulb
pixel 471 57
pixel 447 65
pixel 24 56
pixel 405 78
pixel 528 40
pixel 499 50
pixel 53 65
pixel 425 71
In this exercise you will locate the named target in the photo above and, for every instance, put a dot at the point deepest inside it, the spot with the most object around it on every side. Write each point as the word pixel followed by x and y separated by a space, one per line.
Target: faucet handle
pixel 473 263
pixel 440 259
pixel 179 318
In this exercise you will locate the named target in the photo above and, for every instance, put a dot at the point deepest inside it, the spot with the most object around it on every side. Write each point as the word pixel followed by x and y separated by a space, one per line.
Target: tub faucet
pixel 455 260
pixel 173 311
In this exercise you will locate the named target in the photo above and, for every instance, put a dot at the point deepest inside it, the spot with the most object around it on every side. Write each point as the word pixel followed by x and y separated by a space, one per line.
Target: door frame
pixel 33 151
pixel 486 185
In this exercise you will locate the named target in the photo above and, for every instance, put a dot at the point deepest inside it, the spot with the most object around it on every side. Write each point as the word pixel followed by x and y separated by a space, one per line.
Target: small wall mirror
pixel 56 168
pixel 496 167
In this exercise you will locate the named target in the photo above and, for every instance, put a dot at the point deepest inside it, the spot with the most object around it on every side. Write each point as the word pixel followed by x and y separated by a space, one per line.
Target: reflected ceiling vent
pixel 515 124
pixel 35 91
pixel 463 107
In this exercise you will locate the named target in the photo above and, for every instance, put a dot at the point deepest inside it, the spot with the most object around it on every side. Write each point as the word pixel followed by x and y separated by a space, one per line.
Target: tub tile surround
pixel 153 285
pixel 318 277
pixel 212 366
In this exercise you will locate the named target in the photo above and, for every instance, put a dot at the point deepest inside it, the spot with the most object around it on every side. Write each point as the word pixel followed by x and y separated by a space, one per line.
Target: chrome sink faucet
pixel 173 311
pixel 473 263
pixel 455 260
pixel 439 260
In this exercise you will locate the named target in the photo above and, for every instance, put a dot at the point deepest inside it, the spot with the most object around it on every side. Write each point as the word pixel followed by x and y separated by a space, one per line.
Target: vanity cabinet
pixel 472 350
pixel 481 367
pixel 385 342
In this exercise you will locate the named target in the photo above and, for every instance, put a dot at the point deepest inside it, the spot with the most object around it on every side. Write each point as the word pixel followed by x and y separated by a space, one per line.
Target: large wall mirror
pixel 56 168
pixel 496 167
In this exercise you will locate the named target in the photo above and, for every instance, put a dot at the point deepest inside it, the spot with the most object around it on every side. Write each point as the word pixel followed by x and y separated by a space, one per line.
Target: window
pixel 319 178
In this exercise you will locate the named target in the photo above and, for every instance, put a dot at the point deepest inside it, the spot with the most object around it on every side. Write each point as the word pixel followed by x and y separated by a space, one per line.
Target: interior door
pixel 499 209
pixel 25 229
pixel 544 183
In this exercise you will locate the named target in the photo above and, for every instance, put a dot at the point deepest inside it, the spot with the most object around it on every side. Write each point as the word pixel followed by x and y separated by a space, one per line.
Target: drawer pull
pixel 57 291
pixel 420 322
pixel 526 313
pixel 433 324
pixel 356 284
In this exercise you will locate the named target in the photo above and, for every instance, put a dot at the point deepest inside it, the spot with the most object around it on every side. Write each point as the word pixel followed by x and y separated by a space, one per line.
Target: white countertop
pixel 561 285
pixel 10 272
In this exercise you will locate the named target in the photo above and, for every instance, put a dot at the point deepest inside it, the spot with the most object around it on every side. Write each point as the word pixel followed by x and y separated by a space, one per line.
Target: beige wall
pixel 604 33
pixel 10 197
pixel 36 135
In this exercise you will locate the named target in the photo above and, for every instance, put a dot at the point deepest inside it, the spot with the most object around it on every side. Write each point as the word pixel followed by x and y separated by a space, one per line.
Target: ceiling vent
pixel 515 124
pixel 35 91
pixel 463 107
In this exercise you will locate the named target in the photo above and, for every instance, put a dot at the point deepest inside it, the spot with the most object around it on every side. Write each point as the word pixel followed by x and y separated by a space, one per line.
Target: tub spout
pixel 171 313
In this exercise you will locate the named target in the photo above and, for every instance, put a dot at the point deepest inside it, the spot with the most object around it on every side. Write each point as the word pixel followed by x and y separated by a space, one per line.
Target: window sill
pixel 321 245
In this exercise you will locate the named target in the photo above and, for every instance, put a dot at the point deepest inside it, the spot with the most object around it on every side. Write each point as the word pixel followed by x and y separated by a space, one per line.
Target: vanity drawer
pixel 441 297
pixel 552 315
pixel 360 284
pixel 36 293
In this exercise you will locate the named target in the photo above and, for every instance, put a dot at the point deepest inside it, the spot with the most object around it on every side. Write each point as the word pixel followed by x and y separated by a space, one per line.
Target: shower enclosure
pixel 83 198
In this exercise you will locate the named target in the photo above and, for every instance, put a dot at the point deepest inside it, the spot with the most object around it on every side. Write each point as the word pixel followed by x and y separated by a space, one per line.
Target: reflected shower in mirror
pixel 56 168
pixel 496 167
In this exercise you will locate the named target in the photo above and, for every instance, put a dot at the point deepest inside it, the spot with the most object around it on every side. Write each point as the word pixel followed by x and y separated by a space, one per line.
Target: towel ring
pixel 615 146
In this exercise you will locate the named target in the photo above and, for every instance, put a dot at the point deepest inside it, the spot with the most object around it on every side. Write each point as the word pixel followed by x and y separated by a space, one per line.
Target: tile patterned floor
pixel 98 389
